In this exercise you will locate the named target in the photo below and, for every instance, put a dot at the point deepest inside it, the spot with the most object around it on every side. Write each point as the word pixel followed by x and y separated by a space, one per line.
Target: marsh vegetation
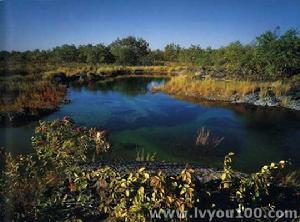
pixel 51 182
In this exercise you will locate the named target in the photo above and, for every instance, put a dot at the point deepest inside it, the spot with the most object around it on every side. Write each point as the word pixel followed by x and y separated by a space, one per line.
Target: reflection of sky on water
pixel 139 119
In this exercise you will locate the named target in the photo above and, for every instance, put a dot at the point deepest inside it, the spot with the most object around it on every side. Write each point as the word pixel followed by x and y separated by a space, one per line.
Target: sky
pixel 43 24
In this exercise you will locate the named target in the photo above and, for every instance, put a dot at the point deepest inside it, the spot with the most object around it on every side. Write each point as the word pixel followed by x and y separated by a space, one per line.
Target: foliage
pixel 253 190
pixel 130 51
pixel 270 56
pixel 19 95
pixel 130 197
pixel 94 54
pixel 33 182
pixel 55 182
pixel 59 145
pixel 227 174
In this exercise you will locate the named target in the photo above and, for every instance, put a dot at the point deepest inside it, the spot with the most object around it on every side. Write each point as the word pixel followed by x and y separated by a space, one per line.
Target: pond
pixel 138 119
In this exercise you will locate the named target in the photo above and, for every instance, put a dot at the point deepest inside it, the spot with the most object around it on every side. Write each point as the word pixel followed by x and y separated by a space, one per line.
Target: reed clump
pixel 222 89
pixel 142 156
pixel 206 141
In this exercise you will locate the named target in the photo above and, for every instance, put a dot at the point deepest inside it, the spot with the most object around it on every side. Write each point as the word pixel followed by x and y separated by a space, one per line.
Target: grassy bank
pixel 77 68
pixel 32 94
pixel 223 90
pixel 29 97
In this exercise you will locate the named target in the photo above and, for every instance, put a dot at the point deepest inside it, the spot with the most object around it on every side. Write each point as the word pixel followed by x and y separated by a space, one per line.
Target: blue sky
pixel 43 24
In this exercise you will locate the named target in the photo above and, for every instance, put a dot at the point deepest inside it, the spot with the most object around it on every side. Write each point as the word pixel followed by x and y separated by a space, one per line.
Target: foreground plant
pixel 131 197
pixel 256 190
pixel 56 183
pixel 32 182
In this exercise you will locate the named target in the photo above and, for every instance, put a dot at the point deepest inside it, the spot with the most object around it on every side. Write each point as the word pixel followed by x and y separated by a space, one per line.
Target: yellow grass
pixel 75 69
pixel 221 89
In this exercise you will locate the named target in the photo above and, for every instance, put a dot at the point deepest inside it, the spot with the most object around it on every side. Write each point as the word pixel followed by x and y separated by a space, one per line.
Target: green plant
pixel 251 190
pixel 130 197
pixel 257 186
pixel 33 183
pixel 56 183
pixel 227 174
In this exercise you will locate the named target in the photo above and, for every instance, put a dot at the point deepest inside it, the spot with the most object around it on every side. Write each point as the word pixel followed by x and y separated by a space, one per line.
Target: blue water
pixel 137 119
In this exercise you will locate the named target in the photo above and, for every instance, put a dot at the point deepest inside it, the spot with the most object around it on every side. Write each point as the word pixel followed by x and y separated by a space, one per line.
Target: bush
pixel 51 184
pixel 32 183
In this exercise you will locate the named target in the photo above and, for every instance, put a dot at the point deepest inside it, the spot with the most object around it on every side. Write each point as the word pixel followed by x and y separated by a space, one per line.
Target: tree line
pixel 271 55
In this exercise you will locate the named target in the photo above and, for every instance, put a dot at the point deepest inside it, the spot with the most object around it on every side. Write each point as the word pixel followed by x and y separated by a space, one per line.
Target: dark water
pixel 138 119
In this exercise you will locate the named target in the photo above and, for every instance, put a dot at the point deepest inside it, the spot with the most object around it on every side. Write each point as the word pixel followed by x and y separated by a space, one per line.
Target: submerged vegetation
pixel 52 184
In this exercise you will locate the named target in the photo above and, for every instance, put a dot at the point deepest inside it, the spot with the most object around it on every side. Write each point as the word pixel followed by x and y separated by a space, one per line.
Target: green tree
pixel 64 53
pixel 171 52
pixel 288 53
pixel 129 51
pixel 192 55
pixel 94 54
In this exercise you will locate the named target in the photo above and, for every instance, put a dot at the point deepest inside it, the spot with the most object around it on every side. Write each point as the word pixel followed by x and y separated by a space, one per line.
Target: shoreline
pixel 217 92
pixel 290 101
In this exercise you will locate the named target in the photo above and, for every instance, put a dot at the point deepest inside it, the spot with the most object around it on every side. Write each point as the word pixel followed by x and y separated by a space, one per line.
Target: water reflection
pixel 138 119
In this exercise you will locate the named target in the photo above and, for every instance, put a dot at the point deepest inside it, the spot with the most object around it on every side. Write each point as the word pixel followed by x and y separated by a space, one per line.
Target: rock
pixel 267 101
pixel 250 98
pixel 290 102
pixel 234 98
pixel 204 175
pixel 82 77
pixel 294 93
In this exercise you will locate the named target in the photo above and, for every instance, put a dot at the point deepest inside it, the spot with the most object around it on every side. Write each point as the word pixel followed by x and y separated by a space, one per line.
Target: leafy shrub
pixel 52 184
pixel 32 182
pixel 130 197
